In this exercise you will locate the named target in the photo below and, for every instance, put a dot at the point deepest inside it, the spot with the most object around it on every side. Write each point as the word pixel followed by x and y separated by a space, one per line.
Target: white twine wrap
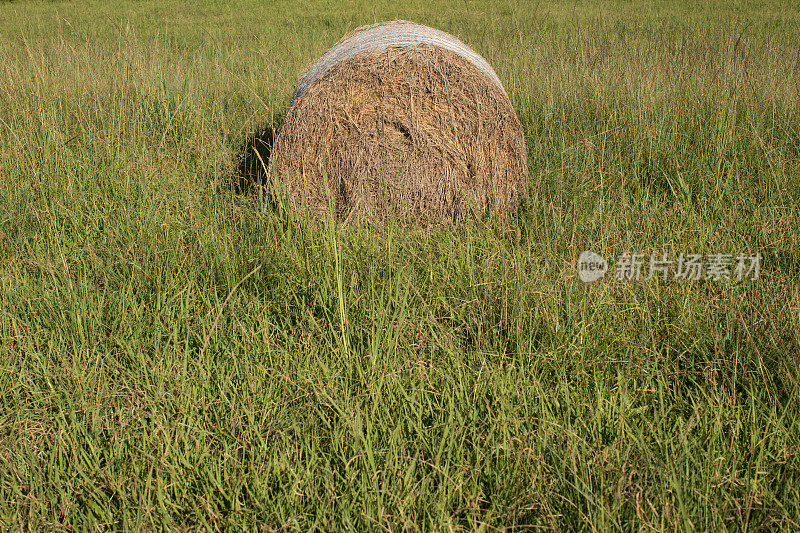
pixel 391 34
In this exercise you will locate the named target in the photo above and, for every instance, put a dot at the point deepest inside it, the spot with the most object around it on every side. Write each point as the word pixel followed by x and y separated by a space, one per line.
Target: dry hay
pixel 415 132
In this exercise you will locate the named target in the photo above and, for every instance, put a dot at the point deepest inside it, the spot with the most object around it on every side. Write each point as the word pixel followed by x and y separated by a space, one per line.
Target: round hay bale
pixel 401 120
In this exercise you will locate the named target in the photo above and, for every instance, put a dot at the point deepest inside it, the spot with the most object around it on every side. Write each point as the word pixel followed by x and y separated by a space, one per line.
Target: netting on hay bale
pixel 404 120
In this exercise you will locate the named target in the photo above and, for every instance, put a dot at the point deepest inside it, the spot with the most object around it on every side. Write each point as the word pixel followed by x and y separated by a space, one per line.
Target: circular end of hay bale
pixel 417 131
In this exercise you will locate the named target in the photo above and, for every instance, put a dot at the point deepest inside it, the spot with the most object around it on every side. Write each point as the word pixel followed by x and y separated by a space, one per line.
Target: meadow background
pixel 459 378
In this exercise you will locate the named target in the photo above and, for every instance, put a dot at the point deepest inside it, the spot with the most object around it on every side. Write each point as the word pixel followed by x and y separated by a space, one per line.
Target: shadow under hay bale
pixel 255 152
pixel 417 131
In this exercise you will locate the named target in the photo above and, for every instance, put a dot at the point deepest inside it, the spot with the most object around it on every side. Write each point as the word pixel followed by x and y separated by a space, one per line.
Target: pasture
pixel 174 356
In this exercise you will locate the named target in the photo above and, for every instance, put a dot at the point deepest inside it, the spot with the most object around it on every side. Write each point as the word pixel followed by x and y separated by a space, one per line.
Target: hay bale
pixel 401 119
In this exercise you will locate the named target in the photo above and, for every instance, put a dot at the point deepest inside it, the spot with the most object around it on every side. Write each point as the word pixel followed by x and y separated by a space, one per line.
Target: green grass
pixel 453 379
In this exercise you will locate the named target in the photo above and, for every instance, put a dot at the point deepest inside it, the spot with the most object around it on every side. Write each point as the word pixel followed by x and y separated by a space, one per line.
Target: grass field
pixel 171 356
